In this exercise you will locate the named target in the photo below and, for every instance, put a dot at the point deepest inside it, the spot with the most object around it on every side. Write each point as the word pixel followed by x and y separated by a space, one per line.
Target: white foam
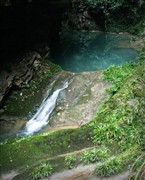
pixel 40 119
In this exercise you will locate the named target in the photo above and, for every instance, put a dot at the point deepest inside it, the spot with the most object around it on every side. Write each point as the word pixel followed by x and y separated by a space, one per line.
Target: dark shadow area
pixel 27 26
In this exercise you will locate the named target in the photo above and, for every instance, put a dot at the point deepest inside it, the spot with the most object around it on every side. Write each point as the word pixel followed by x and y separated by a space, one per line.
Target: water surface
pixel 91 51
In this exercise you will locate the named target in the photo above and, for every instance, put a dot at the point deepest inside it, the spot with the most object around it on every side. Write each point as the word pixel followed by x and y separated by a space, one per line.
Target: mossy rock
pixel 118 122
pixel 19 153
pixel 25 100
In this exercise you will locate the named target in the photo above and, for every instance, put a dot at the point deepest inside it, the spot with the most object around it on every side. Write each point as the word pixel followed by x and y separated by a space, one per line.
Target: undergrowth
pixel 115 164
pixel 22 101
pixel 121 118
pixel 41 171
pixel 94 155
pixel 119 122
pixel 138 168
pixel 116 75
pixel 69 161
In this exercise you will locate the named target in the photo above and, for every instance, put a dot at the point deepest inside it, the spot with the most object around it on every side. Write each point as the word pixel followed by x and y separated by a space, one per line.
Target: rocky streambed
pixel 80 101
pixel 76 105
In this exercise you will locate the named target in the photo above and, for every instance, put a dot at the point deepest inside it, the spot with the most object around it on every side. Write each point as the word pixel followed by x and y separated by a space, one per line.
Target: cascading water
pixel 40 119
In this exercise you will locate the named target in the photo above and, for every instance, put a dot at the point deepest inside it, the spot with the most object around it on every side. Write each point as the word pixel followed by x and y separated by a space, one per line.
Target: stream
pixel 77 53
pixel 41 118
pixel 81 56
pixel 81 52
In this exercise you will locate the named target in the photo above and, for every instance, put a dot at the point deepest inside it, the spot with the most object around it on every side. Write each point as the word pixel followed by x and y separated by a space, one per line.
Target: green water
pixel 91 51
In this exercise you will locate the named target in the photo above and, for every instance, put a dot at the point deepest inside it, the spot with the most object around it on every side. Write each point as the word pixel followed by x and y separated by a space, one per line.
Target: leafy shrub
pixel 129 14
pixel 116 163
pixel 121 117
pixel 116 75
pixel 69 161
pixel 94 155
pixel 41 171
pixel 110 167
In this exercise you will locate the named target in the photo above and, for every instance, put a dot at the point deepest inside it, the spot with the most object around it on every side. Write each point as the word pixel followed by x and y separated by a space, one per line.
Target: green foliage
pixel 41 171
pixel 138 168
pixel 121 118
pixel 138 28
pixel 70 161
pixel 116 75
pixel 141 56
pixel 129 15
pixel 120 121
pixel 53 67
pixel 109 168
pixel 115 164
pixel 95 154
pixel 42 146
pixel 24 100
pixel 112 4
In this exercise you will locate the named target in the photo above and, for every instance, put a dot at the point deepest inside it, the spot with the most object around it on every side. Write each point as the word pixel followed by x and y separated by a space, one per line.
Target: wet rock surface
pixel 79 103
pixel 10 126
pixel 75 106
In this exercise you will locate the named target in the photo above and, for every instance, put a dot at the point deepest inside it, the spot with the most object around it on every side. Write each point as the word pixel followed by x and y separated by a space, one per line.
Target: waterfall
pixel 40 119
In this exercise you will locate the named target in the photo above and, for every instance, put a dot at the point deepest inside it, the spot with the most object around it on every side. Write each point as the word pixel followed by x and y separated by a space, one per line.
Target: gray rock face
pixel 79 103
pixel 19 74
pixel 76 105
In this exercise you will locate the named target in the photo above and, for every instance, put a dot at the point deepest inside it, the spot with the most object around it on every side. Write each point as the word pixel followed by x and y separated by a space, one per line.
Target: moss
pixel 119 125
pixel 118 74
pixel 22 101
pixel 58 163
pixel 121 116
pixel 19 153
pixel 115 164
pixel 96 154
